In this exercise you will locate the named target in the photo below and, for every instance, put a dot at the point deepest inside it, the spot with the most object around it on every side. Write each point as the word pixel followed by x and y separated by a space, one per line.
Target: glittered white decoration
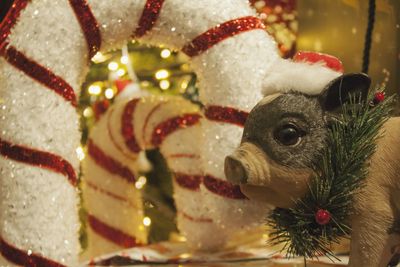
pixel 47 31
pixel 126 213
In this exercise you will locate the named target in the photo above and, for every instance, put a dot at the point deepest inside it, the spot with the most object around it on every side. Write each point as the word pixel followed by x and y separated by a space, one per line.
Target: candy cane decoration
pixel 45 49
pixel 112 201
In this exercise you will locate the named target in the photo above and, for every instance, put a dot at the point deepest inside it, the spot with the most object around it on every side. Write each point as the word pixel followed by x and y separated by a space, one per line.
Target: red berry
pixel 322 217
pixel 379 97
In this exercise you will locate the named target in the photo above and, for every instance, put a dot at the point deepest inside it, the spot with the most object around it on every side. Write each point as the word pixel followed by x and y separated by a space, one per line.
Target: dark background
pixel 4 6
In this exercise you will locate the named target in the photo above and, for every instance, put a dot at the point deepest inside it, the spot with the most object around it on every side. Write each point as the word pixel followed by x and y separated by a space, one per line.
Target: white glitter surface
pixel 49 33
pixel 35 116
pixel 38 211
pixel 122 215
pixel 173 107
pixel 97 245
pixel 39 207
pixel 100 135
pixel 231 72
pixel 180 20
pixel 117 20
pixel 234 215
pixel 199 223
pixel 203 236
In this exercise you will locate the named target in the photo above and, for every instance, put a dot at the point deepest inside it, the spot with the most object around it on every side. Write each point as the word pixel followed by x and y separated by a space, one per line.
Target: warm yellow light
pixel 185 255
pixel 141 181
pixel 162 74
pixel 185 67
pixel 109 93
pixel 184 86
pixel 124 60
pixel 94 89
pixel 146 221
pixel 121 72
pixel 164 84
pixel 79 153
pixel 165 53
pixel 88 112
pixel 145 84
pixel 99 57
pixel 113 65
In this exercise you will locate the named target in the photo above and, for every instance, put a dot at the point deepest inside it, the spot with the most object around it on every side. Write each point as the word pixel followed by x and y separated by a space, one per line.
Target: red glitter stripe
pixel 112 234
pixel 191 182
pixel 88 25
pixel 223 188
pixel 146 121
pixel 193 219
pixel 226 114
pixel 149 17
pixel 40 74
pixel 169 126
pixel 221 32
pixel 127 129
pixel 115 143
pixel 21 257
pixel 105 192
pixel 108 163
pixel 38 158
pixel 9 21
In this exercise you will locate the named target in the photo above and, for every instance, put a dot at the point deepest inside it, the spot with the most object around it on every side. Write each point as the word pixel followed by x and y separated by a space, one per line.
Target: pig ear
pixel 337 91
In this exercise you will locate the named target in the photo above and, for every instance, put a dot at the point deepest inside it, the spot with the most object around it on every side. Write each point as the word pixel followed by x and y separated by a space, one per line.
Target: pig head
pixel 283 136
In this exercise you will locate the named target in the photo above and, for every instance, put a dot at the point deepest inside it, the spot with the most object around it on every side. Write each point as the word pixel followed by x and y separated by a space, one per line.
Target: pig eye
pixel 288 135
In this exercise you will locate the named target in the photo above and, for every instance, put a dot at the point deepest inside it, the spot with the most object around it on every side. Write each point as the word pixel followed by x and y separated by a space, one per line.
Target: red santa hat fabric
pixel 308 73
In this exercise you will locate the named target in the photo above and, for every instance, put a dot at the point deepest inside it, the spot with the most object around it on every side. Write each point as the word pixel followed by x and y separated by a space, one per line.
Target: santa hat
pixel 308 73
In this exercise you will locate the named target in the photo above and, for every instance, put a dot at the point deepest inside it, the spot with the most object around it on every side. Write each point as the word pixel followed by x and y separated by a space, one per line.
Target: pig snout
pixel 247 165
pixel 234 170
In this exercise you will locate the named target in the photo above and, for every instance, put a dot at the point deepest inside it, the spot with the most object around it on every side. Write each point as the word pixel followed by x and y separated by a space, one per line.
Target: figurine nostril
pixel 234 170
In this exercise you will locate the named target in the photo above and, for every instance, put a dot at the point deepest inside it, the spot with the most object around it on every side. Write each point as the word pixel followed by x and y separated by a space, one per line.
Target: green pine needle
pixel 338 175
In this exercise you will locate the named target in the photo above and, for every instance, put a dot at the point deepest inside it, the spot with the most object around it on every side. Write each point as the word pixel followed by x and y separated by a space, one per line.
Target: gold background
pixel 337 27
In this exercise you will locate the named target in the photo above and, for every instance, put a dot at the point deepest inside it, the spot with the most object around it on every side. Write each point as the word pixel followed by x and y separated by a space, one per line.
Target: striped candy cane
pixel 45 49
pixel 110 196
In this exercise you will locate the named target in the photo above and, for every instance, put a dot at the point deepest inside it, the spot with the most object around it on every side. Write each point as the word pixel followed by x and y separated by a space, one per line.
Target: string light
pixel 121 72
pixel 99 57
pixel 79 153
pixel 88 112
pixel 185 255
pixel 184 85
pixel 113 65
pixel 162 74
pixel 109 93
pixel 141 181
pixel 94 89
pixel 146 221
pixel 165 53
pixel 164 84
pixel 124 60
pixel 144 84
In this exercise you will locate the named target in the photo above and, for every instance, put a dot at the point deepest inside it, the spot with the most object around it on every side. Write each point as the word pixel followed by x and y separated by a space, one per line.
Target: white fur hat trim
pixel 303 77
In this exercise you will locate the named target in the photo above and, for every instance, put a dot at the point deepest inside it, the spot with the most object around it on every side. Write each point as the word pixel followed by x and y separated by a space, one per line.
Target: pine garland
pixel 338 175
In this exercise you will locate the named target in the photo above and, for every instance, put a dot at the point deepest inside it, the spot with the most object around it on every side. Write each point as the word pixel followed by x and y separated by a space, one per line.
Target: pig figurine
pixel 286 131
